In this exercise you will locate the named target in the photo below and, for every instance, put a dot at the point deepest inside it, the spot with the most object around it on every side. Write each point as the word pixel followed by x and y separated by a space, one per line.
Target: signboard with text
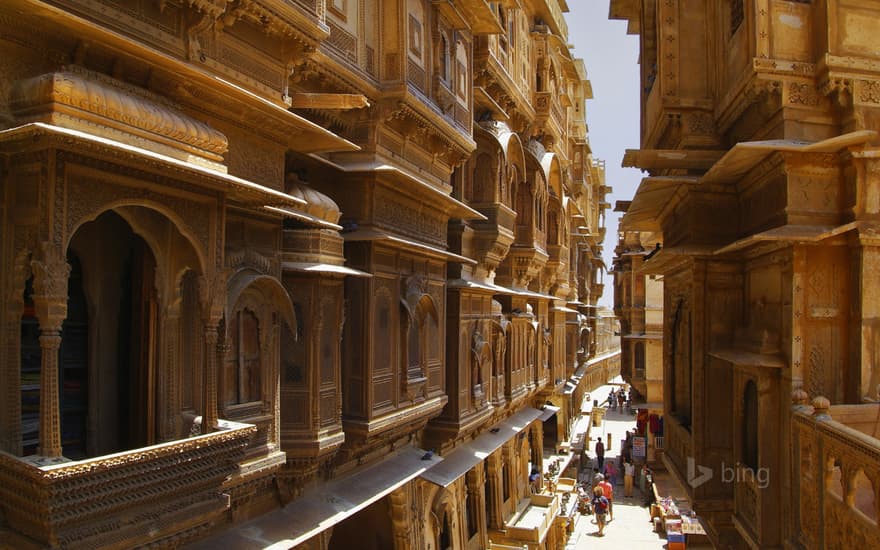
pixel 639 447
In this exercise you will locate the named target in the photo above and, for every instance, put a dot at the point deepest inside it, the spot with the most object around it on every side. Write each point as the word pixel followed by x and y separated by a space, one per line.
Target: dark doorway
pixel 369 529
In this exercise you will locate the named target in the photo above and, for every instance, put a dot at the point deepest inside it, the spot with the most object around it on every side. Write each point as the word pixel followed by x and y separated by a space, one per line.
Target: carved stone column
pixel 493 492
pixel 212 298
pixel 476 493
pixel 50 416
pixel 50 301
pixel 212 361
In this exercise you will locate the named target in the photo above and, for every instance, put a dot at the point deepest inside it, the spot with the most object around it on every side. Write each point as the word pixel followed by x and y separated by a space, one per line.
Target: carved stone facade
pixel 274 267
pixel 759 129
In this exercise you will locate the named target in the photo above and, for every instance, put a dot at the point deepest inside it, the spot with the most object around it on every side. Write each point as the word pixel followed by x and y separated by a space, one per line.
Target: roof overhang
pixel 789 233
pixel 237 189
pixel 670 159
pixel 303 217
pixel 669 257
pixel 463 458
pixel 547 411
pixel 326 269
pixel 425 191
pixel 629 10
pixel 375 235
pixel 324 505
pixel 653 201
pixel 744 156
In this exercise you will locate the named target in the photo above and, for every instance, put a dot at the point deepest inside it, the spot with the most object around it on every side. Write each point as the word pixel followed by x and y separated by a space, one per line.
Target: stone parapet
pixel 156 493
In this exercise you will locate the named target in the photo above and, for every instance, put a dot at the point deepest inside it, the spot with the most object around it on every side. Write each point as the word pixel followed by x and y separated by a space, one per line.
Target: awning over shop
pixel 325 505
pixel 548 411
pixel 461 460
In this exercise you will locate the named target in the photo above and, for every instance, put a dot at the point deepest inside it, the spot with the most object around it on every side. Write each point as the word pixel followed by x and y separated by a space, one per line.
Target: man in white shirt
pixel 628 473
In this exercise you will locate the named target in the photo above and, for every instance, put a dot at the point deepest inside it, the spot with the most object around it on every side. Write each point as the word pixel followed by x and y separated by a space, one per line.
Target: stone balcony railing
pixel 163 494
pixel 836 473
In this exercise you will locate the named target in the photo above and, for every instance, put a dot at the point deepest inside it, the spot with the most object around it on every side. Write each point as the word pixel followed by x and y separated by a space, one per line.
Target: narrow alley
pixel 631 526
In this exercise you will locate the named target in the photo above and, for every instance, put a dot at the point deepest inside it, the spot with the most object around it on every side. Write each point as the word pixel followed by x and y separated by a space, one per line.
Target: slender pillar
pixel 50 301
pixel 212 353
pixel 50 415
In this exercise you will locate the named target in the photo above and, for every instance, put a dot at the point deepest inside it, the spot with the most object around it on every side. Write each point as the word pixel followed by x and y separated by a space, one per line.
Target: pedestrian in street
pixel 600 508
pixel 610 472
pixel 612 400
pixel 600 454
pixel 621 399
pixel 608 491
pixel 628 473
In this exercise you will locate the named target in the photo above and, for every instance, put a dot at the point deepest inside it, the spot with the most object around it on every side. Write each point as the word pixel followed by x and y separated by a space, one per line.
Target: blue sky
pixel 611 58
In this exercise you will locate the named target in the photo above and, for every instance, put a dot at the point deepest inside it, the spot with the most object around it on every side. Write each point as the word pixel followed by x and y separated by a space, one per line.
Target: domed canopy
pixel 319 205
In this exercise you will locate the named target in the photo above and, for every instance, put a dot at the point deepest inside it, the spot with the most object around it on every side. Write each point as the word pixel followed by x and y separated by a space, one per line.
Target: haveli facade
pixel 307 273
pixel 638 304
pixel 759 132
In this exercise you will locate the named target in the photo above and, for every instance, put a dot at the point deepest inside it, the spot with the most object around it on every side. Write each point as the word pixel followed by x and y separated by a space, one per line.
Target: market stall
pixel 671 512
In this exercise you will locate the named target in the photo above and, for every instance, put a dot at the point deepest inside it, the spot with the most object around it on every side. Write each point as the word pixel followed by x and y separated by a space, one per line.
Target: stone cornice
pixel 96 100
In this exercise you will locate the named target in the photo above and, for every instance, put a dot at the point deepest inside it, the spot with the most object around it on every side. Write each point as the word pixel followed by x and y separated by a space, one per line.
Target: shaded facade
pixel 638 303
pixel 275 272
pixel 759 132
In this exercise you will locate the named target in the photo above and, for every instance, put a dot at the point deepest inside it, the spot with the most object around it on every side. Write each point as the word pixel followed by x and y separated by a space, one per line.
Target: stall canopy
pixel 458 462
pixel 324 506
pixel 547 411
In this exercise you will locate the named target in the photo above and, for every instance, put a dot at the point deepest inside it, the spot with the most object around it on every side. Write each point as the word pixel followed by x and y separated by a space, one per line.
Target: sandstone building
pixel 638 304
pixel 316 273
pixel 759 134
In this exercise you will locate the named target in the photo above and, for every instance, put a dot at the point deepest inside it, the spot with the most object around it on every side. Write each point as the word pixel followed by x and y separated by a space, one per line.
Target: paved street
pixel 630 529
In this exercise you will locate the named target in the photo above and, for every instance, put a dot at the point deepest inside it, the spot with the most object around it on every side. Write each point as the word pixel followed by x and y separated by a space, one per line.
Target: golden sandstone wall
pixel 759 132
pixel 277 271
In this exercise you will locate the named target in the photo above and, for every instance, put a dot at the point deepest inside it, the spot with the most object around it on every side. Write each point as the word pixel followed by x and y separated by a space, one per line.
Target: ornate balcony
pixel 163 495
pixel 836 466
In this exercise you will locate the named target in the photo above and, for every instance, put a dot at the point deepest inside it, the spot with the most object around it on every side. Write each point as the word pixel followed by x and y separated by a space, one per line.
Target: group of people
pixel 619 399
pixel 604 479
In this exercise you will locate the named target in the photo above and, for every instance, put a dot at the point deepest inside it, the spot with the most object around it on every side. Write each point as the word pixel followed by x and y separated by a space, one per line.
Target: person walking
pixel 600 454
pixel 610 472
pixel 608 492
pixel 600 508
pixel 628 473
